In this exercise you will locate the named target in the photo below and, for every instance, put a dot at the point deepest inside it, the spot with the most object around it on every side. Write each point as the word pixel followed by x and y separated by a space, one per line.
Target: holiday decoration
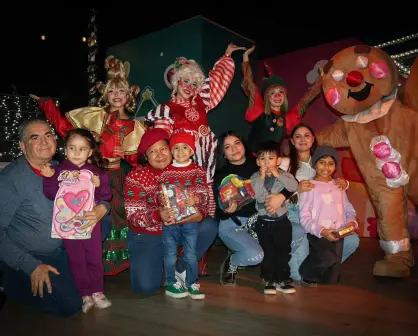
pixel 146 104
pixel 92 67
pixel 168 73
pixel 14 109
pixel 401 59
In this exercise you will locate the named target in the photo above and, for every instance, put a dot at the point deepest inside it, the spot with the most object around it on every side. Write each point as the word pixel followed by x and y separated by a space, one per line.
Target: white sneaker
pixel 88 303
pixel 101 301
pixel 181 277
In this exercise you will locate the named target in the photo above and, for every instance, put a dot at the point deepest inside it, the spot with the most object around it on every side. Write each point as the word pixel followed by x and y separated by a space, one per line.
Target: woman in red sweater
pixel 145 220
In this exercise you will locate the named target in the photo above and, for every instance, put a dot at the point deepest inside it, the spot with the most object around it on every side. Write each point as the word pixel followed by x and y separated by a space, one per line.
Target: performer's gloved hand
pixel 231 48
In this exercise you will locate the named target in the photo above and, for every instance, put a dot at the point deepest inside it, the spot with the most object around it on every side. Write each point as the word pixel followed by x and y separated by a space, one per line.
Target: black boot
pixel 228 272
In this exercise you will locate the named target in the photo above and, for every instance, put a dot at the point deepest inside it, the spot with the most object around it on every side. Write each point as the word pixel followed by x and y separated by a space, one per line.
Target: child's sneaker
pixel 176 290
pixel 88 303
pixel 195 293
pixel 101 301
pixel 308 283
pixel 270 287
pixel 285 287
pixel 228 272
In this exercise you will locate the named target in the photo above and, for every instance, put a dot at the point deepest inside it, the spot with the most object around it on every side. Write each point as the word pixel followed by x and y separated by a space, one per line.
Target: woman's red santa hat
pixel 151 137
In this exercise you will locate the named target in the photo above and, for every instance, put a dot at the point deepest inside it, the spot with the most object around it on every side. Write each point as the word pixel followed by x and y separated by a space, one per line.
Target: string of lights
pixel 398 58
pixel 92 67
pixel 397 41
pixel 14 110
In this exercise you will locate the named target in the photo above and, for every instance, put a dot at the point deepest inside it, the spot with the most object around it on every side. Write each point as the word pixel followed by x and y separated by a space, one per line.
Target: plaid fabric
pixel 113 135
pixel 115 247
pixel 248 84
pixel 309 96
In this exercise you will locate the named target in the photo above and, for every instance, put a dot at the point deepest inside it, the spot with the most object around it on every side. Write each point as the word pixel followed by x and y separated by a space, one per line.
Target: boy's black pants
pixel 275 237
pixel 323 264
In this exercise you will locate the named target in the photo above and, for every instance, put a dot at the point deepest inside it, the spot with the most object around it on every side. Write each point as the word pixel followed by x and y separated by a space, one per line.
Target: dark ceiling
pixel 57 66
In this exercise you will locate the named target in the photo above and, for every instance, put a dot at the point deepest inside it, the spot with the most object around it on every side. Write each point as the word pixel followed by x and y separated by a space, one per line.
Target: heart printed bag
pixel 75 195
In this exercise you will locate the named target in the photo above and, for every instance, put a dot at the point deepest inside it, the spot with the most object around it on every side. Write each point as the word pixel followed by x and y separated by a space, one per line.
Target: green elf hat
pixel 271 80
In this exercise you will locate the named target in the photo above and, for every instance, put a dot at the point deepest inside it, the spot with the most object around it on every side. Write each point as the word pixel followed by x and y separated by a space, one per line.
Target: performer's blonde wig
pixel 117 73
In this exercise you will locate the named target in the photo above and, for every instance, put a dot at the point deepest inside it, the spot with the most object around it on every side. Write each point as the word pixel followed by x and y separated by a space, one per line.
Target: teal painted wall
pixel 198 39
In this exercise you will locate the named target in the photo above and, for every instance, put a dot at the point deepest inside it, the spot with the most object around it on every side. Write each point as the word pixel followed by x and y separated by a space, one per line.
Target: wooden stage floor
pixel 359 305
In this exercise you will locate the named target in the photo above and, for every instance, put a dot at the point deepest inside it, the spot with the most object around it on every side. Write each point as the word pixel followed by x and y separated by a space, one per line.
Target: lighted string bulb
pixel 397 41
pixel 405 54
pixel 402 67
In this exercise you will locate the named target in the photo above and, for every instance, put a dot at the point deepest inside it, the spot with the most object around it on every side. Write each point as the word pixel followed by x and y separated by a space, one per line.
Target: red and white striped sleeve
pixel 218 82
pixel 161 118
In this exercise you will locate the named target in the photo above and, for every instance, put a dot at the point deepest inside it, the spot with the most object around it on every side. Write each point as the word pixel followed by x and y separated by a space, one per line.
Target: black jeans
pixel 275 237
pixel 323 264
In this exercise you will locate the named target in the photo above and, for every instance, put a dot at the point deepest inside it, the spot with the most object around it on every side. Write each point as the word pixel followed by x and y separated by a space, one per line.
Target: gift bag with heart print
pixel 75 195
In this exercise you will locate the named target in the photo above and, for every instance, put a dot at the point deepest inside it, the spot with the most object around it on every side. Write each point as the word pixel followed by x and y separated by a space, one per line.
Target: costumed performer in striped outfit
pixel 193 96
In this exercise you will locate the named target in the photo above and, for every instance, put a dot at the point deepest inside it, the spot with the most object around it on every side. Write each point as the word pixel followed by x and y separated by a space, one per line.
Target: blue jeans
pixel 106 226
pixel 300 249
pixel 246 250
pixel 180 235
pixel 64 300
pixel 147 255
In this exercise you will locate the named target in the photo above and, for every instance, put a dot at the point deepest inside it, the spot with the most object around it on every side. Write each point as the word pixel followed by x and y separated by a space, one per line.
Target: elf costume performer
pixel 119 135
pixel 192 97
pixel 268 112
pixel 378 125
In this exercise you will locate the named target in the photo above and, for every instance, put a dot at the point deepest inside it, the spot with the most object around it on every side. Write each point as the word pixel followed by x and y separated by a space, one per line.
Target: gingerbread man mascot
pixel 378 125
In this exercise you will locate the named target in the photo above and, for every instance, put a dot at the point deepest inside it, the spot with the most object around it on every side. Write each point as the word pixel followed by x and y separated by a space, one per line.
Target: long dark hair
pixel 96 157
pixel 293 153
pixel 221 160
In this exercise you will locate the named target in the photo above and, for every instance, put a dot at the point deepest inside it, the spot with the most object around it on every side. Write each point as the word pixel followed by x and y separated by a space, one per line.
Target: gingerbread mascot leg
pixel 392 229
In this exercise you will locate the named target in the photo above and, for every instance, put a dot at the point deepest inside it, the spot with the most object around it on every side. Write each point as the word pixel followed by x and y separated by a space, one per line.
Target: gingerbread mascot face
pixel 361 82
pixel 357 78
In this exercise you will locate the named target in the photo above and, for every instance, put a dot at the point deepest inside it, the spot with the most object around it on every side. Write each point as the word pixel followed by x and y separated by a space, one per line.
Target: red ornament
pixel 168 74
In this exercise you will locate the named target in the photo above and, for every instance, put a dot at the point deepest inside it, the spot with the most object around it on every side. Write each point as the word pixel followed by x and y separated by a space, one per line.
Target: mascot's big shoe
pixel 378 125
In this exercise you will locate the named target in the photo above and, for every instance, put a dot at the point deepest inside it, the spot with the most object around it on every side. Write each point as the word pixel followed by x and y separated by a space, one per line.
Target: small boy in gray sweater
pixel 274 230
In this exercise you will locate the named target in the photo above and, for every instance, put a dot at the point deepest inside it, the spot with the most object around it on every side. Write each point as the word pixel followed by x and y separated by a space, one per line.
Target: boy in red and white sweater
pixel 187 174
